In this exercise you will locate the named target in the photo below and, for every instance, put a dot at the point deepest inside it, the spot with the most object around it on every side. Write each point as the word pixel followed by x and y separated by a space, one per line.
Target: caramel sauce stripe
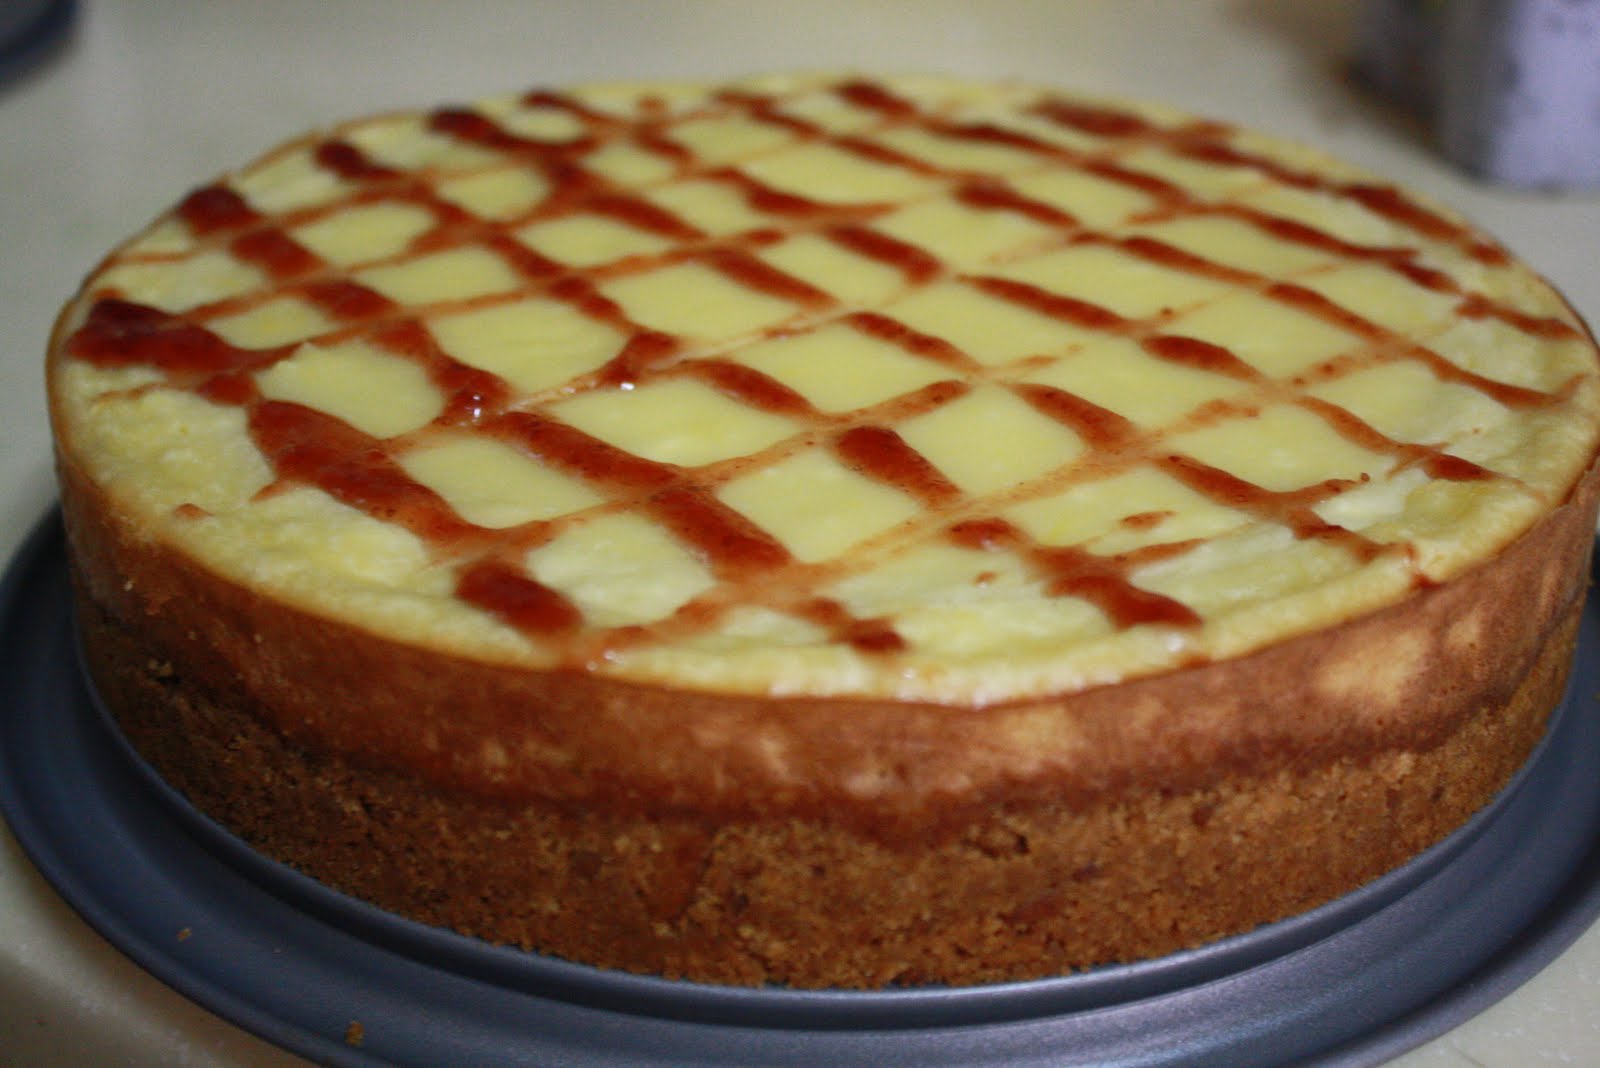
pixel 307 446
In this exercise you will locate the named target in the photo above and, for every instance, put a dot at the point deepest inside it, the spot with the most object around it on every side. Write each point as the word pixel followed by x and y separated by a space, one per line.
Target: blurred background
pixel 111 109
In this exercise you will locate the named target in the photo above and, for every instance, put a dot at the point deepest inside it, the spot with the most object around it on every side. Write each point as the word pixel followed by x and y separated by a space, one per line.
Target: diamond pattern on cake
pixel 696 301
pixel 1241 244
pixel 815 506
pixel 534 343
pixel 1206 179
pixel 289 181
pixel 1253 565
pixel 1344 218
pixel 1503 352
pixel 620 569
pixel 364 233
pixel 1117 278
pixel 709 206
pixel 405 143
pixel 839 368
pixel 716 140
pixel 970 602
pixel 436 277
pixel 539 122
pixel 1096 202
pixel 492 484
pixel 935 573
pixel 986 328
pixel 1379 295
pixel 1280 449
pixel 278 321
pixel 675 421
pixel 589 240
pixel 1124 511
pixel 358 383
pixel 627 165
pixel 978 156
pixel 1116 375
pixel 850 277
pixel 168 237
pixel 990 373
pixel 1025 627
pixel 964 237
pixel 1381 396
pixel 1274 337
pixel 179 285
pixel 502 193
pixel 836 175
pixel 830 113
pixel 1373 508
pixel 989 440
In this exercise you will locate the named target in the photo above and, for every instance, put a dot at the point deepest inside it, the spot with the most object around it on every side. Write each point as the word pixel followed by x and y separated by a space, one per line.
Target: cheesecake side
pixel 625 522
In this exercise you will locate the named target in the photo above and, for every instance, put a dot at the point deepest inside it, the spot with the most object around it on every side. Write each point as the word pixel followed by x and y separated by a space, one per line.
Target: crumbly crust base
pixel 1027 890
pixel 1292 776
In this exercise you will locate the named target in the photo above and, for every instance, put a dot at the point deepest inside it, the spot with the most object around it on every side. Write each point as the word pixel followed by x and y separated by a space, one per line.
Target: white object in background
pixel 1510 88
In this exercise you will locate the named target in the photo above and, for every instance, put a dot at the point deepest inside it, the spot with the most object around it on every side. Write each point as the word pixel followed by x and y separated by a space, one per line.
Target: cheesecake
pixel 826 530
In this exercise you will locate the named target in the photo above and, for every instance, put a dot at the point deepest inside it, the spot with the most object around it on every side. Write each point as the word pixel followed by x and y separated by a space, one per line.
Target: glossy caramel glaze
pixel 626 522
pixel 712 386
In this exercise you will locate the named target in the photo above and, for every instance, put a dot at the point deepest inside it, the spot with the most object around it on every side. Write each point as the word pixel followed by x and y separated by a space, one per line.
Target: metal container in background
pixel 1510 89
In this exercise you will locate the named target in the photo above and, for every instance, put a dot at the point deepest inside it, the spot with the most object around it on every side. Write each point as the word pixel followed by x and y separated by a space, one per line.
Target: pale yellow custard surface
pixel 823 385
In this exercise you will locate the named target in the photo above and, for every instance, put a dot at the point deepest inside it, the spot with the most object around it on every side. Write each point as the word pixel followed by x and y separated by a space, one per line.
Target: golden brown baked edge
pixel 654 833
pixel 1028 888
pixel 1402 677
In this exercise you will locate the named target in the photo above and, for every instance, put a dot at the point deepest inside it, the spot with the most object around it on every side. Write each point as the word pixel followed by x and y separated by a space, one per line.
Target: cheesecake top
pixel 898 387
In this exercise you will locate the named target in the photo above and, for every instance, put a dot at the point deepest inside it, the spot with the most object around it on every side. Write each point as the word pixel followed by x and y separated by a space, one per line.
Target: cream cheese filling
pixel 818 385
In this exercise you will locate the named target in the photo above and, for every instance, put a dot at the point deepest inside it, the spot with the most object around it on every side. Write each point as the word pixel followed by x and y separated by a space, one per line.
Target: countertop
pixel 147 98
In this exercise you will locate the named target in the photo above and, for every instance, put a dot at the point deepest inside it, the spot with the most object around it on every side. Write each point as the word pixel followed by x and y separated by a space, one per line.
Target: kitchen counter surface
pixel 144 99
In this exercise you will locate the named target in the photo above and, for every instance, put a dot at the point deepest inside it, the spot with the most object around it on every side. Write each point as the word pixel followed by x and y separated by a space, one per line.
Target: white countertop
pixel 151 98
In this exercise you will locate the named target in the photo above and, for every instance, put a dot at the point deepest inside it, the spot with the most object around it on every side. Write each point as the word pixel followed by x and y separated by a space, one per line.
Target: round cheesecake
pixel 636 522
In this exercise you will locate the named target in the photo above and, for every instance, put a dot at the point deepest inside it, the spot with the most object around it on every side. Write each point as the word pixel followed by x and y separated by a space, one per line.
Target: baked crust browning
pixel 1149 817
pixel 628 522
pixel 909 451
pixel 1025 888
pixel 1404 677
